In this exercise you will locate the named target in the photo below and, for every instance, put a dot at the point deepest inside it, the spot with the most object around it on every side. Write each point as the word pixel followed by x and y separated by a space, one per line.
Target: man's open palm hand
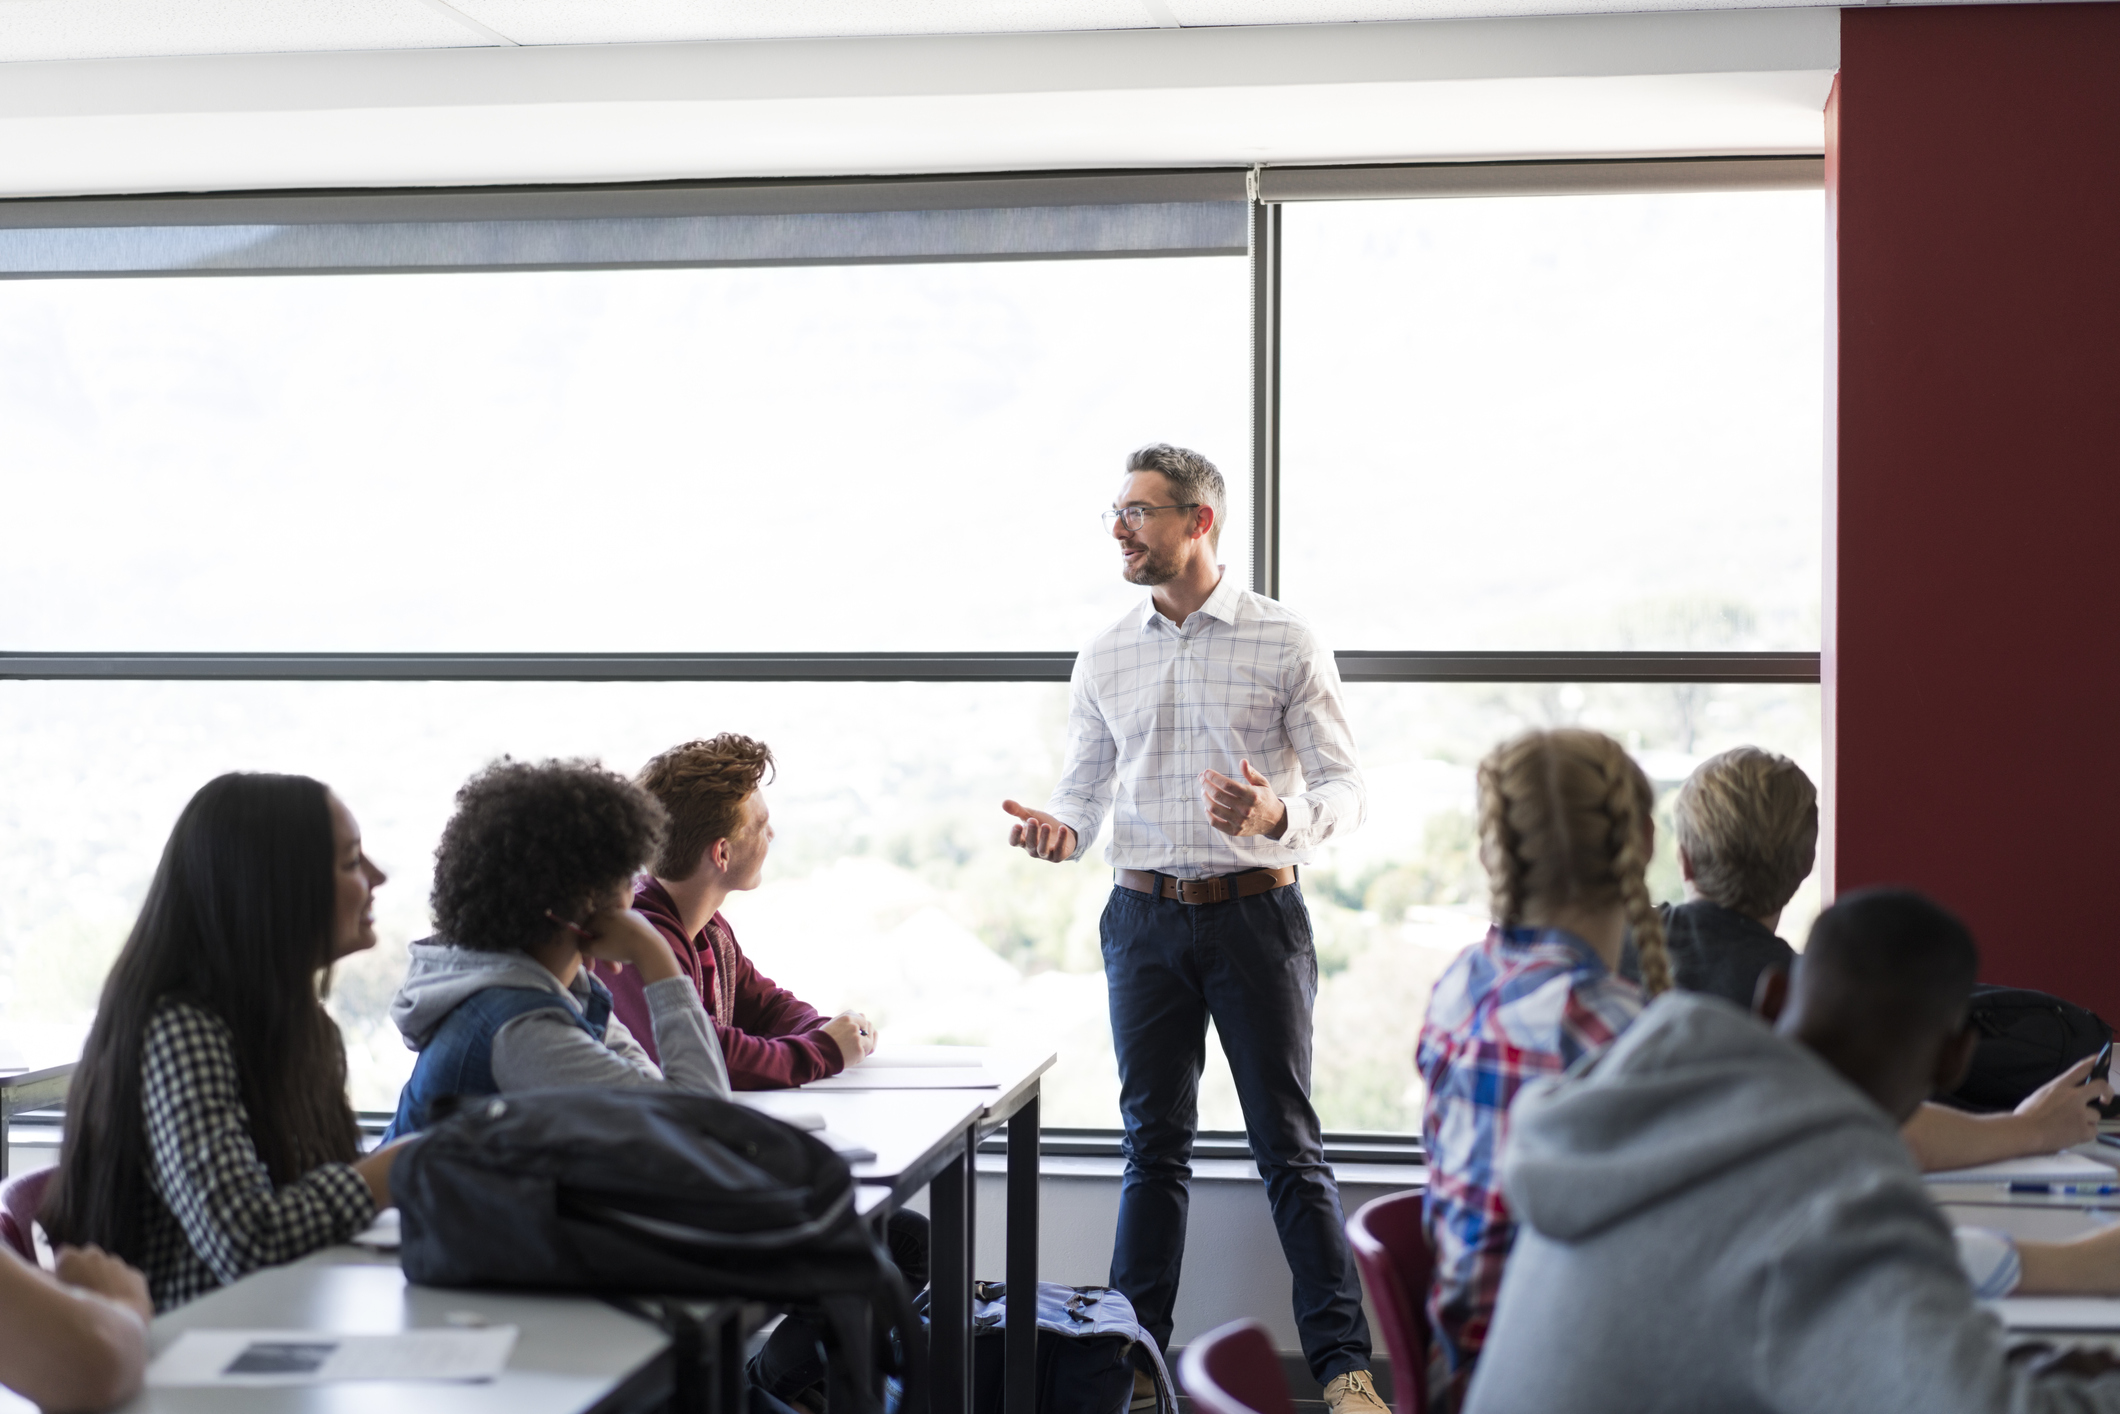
pixel 1039 834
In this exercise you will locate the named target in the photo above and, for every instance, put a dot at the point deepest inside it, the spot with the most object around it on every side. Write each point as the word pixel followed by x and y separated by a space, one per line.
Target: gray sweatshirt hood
pixel 441 975
pixel 1694 1087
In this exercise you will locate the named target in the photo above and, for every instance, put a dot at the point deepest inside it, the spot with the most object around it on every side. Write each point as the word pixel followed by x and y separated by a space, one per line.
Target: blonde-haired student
pixel 1565 835
pixel 1747 827
pixel 1566 832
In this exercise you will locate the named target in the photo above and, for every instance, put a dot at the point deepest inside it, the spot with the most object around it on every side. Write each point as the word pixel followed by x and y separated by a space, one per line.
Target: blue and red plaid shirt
pixel 1525 1002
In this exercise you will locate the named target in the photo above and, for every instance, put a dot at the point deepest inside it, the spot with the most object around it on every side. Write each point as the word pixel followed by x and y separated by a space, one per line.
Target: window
pixel 420 479
pixel 1556 422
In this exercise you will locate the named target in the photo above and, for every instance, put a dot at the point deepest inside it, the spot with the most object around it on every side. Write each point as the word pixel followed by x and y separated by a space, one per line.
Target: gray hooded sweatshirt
pixel 542 1048
pixel 1712 1219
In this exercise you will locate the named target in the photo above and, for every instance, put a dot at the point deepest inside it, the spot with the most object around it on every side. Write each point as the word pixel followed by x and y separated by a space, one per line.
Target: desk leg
pixel 1021 1380
pixel 950 1211
pixel 729 1376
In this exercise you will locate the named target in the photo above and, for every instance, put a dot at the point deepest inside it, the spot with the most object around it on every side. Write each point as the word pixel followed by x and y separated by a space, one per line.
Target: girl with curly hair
pixel 534 875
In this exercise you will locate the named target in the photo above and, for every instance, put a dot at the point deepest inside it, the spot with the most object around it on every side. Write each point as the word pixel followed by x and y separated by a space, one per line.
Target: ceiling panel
pixel 1276 12
pixel 118 29
pixel 653 21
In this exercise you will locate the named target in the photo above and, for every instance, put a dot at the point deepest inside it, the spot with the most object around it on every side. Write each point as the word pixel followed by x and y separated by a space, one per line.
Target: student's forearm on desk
pixel 1944 1138
pixel 2090 1263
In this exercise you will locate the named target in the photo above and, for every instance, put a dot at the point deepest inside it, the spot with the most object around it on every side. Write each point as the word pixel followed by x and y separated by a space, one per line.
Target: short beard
pixel 1151 571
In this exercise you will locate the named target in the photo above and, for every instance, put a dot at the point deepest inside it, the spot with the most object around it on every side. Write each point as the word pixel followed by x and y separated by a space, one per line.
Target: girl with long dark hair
pixel 208 1132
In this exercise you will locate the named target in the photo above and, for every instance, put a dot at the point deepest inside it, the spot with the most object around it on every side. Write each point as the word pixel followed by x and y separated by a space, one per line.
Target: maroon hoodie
pixel 769 1037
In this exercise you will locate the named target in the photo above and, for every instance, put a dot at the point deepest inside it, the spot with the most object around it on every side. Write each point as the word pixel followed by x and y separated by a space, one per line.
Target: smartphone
pixel 2102 1069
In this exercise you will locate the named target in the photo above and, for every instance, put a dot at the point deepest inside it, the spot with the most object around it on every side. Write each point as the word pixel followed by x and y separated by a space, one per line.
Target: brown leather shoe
pixel 1354 1393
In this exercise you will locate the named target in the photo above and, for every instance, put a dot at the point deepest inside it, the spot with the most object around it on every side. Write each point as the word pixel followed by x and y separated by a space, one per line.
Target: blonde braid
pixel 1627 806
pixel 1501 848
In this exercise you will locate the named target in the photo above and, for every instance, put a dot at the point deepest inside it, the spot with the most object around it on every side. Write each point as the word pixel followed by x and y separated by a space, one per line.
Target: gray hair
pixel 1193 478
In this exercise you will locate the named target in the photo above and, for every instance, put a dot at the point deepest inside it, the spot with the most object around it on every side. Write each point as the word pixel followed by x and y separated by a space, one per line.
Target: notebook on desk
pixel 895 1067
pixel 2064 1167
pixel 2058 1313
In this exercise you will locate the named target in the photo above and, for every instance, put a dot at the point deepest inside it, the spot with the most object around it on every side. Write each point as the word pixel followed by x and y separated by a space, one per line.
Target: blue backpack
pixel 1089 1345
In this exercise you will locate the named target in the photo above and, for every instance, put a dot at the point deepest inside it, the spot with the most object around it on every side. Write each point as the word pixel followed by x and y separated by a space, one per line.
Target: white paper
pixel 926 1077
pixel 2064 1167
pixel 781 1105
pixel 891 1056
pixel 852 1150
pixel 385 1234
pixel 237 1359
pixel 2058 1313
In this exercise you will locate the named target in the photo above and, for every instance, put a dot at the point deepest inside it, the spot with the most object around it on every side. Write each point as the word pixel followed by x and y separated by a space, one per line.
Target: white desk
pixel 927 1138
pixel 575 1353
pixel 2067 1213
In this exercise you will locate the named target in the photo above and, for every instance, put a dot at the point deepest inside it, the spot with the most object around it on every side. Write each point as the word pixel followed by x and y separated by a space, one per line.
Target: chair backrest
pixel 1234 1369
pixel 1390 1242
pixel 19 1200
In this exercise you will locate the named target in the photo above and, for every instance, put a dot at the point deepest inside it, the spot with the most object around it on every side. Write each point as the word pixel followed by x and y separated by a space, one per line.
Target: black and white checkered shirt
pixel 213 1212
pixel 1154 705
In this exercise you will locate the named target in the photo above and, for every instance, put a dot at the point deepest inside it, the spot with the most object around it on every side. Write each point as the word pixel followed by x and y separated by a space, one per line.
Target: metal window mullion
pixel 1354 665
pixel 1265 395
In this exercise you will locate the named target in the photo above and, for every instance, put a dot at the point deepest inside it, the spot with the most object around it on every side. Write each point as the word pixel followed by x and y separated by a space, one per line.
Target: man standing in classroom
pixel 1214 717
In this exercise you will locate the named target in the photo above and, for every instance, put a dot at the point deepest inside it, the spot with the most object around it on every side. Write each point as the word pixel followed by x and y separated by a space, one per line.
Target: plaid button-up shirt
pixel 1153 705
pixel 1524 1003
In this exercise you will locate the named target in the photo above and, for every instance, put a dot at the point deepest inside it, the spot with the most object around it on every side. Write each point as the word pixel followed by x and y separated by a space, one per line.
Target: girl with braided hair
pixel 1565 836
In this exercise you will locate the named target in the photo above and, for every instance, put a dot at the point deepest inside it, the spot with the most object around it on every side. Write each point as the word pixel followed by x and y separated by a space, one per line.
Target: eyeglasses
pixel 1136 515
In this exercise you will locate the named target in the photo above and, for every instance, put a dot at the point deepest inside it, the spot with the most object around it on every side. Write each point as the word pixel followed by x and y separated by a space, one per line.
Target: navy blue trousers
pixel 1249 965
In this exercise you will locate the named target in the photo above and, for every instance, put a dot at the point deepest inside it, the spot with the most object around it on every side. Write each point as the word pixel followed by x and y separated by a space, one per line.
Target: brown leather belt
pixel 1216 890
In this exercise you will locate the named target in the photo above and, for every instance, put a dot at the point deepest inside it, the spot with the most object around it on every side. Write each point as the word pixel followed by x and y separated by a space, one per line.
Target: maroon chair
pixel 1390 1244
pixel 1234 1369
pixel 19 1201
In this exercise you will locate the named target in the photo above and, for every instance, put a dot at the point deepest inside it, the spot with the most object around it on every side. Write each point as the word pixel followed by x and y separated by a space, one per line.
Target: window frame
pixel 1264 190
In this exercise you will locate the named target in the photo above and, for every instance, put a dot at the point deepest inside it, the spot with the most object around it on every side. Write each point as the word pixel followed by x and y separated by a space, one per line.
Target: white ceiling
pixel 1733 81
pixel 33 30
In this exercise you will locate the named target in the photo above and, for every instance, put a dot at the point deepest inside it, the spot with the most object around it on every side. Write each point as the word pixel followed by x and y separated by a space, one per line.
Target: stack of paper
pixel 228 1359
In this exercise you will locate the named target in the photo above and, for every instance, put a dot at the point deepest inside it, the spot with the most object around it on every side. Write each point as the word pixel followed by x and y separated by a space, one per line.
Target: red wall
pixel 1973 621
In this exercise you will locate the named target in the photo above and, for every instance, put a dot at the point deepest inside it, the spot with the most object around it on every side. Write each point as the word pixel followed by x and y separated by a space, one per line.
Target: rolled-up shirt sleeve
pixel 1333 800
pixel 1084 794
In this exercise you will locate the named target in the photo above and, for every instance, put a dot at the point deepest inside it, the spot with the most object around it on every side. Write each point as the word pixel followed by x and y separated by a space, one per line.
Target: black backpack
pixel 2026 1039
pixel 643 1192
pixel 1089 1345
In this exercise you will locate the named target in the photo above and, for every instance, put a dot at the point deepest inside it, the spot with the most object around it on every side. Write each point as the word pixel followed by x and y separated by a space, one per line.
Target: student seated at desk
pixel 1714 1215
pixel 1565 833
pixel 208 1131
pixel 719 834
pixel 1565 836
pixel 77 1339
pixel 1747 826
pixel 533 877
pixel 716 845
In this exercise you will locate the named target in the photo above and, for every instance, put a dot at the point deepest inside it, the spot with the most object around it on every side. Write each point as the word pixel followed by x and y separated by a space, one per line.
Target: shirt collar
pixel 1224 604
pixel 1585 955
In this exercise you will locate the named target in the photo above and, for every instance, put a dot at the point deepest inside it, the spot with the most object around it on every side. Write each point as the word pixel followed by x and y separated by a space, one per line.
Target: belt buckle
pixel 1203 890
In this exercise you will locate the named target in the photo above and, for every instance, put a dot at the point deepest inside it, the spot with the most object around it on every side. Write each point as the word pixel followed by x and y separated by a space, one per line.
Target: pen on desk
pixel 2067 1189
